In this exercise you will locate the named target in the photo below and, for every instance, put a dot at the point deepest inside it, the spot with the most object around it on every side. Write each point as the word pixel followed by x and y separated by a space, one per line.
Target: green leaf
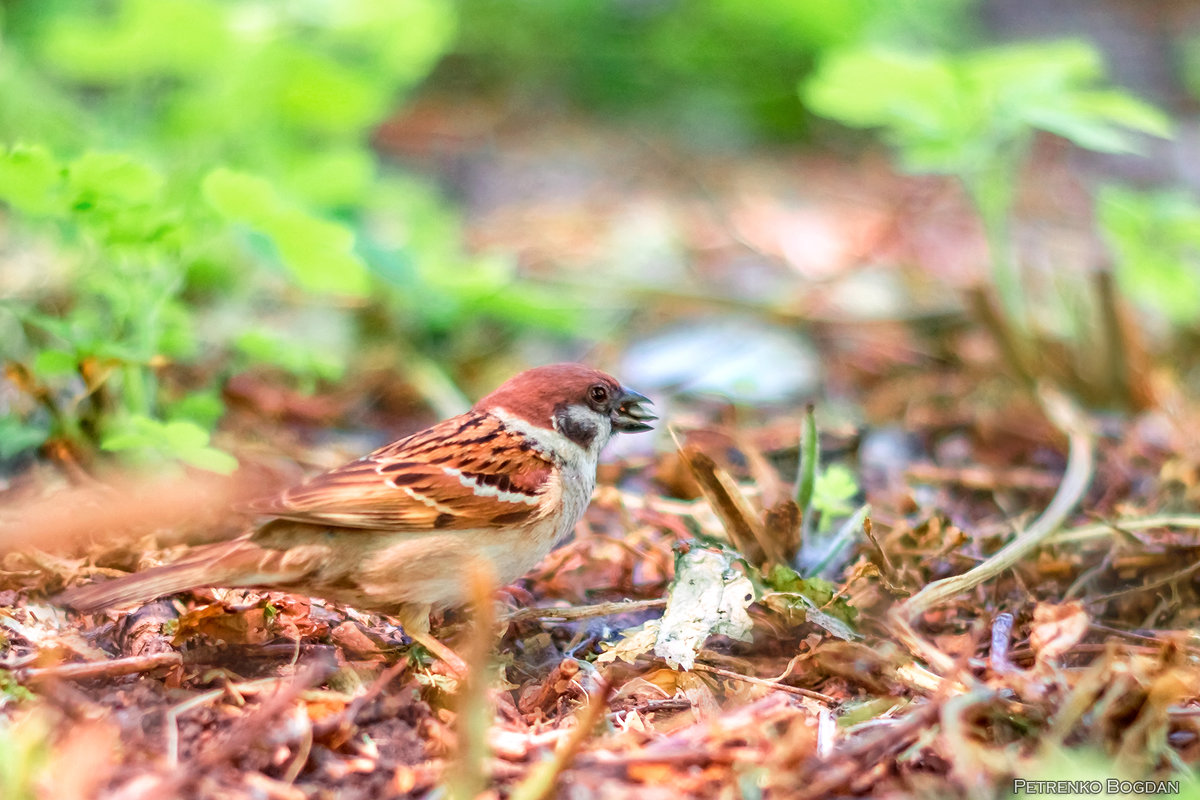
pixel 51 363
pixel 107 177
pixel 317 92
pixel 835 488
pixel 241 196
pixel 869 88
pixel 809 599
pixel 965 113
pixel 205 408
pixel 31 180
pixel 144 437
pixel 299 358
pixel 1101 121
pixel 810 455
pixel 17 436
pixel 143 39
pixel 318 252
pixel 1156 240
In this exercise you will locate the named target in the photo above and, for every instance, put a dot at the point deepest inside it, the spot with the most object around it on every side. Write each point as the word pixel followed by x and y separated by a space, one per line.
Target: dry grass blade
pixel 727 502
pixel 243 736
pixel 1080 464
pixel 468 777
pixel 100 669
pixel 823 775
pixel 541 780
pixel 1101 530
pixel 740 521
pixel 345 719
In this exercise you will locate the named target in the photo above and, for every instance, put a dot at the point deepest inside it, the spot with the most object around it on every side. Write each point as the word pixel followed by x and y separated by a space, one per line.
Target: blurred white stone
pixel 746 361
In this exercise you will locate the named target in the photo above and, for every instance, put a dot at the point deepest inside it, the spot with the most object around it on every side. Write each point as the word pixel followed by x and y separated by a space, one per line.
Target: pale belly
pixel 378 571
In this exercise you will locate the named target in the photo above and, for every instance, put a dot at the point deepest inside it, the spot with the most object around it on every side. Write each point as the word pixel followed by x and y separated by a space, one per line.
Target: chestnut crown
pixel 542 394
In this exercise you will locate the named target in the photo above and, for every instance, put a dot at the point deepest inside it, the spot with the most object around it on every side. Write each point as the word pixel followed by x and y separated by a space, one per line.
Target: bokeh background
pixel 210 205
pixel 264 237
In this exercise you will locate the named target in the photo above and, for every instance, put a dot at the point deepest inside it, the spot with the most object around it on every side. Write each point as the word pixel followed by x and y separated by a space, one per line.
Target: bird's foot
pixel 440 651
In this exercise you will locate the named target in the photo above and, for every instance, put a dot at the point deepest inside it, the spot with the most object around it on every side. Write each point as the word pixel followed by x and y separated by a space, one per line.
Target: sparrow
pixel 397 530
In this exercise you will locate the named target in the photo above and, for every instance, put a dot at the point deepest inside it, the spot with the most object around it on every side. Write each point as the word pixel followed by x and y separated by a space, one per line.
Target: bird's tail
pixel 236 563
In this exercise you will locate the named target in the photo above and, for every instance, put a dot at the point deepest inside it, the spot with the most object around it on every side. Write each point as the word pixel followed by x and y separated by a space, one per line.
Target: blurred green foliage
pixel 974 116
pixel 194 173
pixel 717 71
pixel 24 748
pixel 1155 238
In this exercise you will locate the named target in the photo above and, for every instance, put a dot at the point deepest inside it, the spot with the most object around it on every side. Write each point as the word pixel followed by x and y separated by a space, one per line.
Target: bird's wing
pixel 467 472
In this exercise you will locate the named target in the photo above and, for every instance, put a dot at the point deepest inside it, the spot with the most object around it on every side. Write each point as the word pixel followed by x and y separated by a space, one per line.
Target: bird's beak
pixel 629 416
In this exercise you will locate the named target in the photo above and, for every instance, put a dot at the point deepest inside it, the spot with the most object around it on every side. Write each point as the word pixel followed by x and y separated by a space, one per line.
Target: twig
pixel 688 757
pixel 253 726
pixel 1069 418
pixel 585 612
pixel 779 687
pixel 1174 576
pixel 301 757
pixel 99 669
pixel 172 722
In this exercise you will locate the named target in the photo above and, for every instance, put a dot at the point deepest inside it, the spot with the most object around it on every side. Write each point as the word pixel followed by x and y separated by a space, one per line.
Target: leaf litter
pixel 1017 602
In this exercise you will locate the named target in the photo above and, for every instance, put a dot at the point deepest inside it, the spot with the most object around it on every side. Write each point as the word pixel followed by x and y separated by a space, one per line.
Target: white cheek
pixel 578 465
pixel 554 444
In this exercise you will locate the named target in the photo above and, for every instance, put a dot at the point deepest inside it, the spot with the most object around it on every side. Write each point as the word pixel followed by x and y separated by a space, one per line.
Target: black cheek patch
pixel 580 431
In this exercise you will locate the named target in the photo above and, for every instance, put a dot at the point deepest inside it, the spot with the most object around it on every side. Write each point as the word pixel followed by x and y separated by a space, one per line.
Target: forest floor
pixel 1063 650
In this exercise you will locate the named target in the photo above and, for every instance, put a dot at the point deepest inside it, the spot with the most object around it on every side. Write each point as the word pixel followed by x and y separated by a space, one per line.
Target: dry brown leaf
pixel 1057 628
pixel 219 624
pixel 728 503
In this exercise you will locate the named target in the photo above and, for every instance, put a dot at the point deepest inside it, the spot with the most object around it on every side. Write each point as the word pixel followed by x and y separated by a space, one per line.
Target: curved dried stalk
pixel 1069 418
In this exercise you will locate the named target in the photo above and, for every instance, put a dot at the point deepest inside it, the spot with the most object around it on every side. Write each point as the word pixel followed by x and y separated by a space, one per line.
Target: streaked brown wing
pixel 467 472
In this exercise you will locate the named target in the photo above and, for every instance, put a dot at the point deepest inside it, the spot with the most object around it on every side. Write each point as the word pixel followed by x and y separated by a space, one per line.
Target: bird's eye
pixel 598 394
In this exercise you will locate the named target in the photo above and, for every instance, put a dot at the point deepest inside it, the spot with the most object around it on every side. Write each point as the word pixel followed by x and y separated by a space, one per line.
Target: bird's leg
pixel 450 658
pixel 414 619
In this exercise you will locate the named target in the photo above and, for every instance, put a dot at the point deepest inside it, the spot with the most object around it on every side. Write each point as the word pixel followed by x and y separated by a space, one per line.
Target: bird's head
pixel 585 405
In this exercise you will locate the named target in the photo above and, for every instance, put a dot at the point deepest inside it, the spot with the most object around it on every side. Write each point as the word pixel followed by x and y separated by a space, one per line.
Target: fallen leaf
pixel 708 596
pixel 1057 628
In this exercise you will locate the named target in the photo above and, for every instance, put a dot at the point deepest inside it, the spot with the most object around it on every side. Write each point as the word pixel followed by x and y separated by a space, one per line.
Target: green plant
pixel 184 160
pixel 1155 237
pixel 974 115
pixel 186 167
pixel 24 754
pixel 822 495
pixel 828 519
pixel 199 174
pixel 93 358
pixel 721 69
